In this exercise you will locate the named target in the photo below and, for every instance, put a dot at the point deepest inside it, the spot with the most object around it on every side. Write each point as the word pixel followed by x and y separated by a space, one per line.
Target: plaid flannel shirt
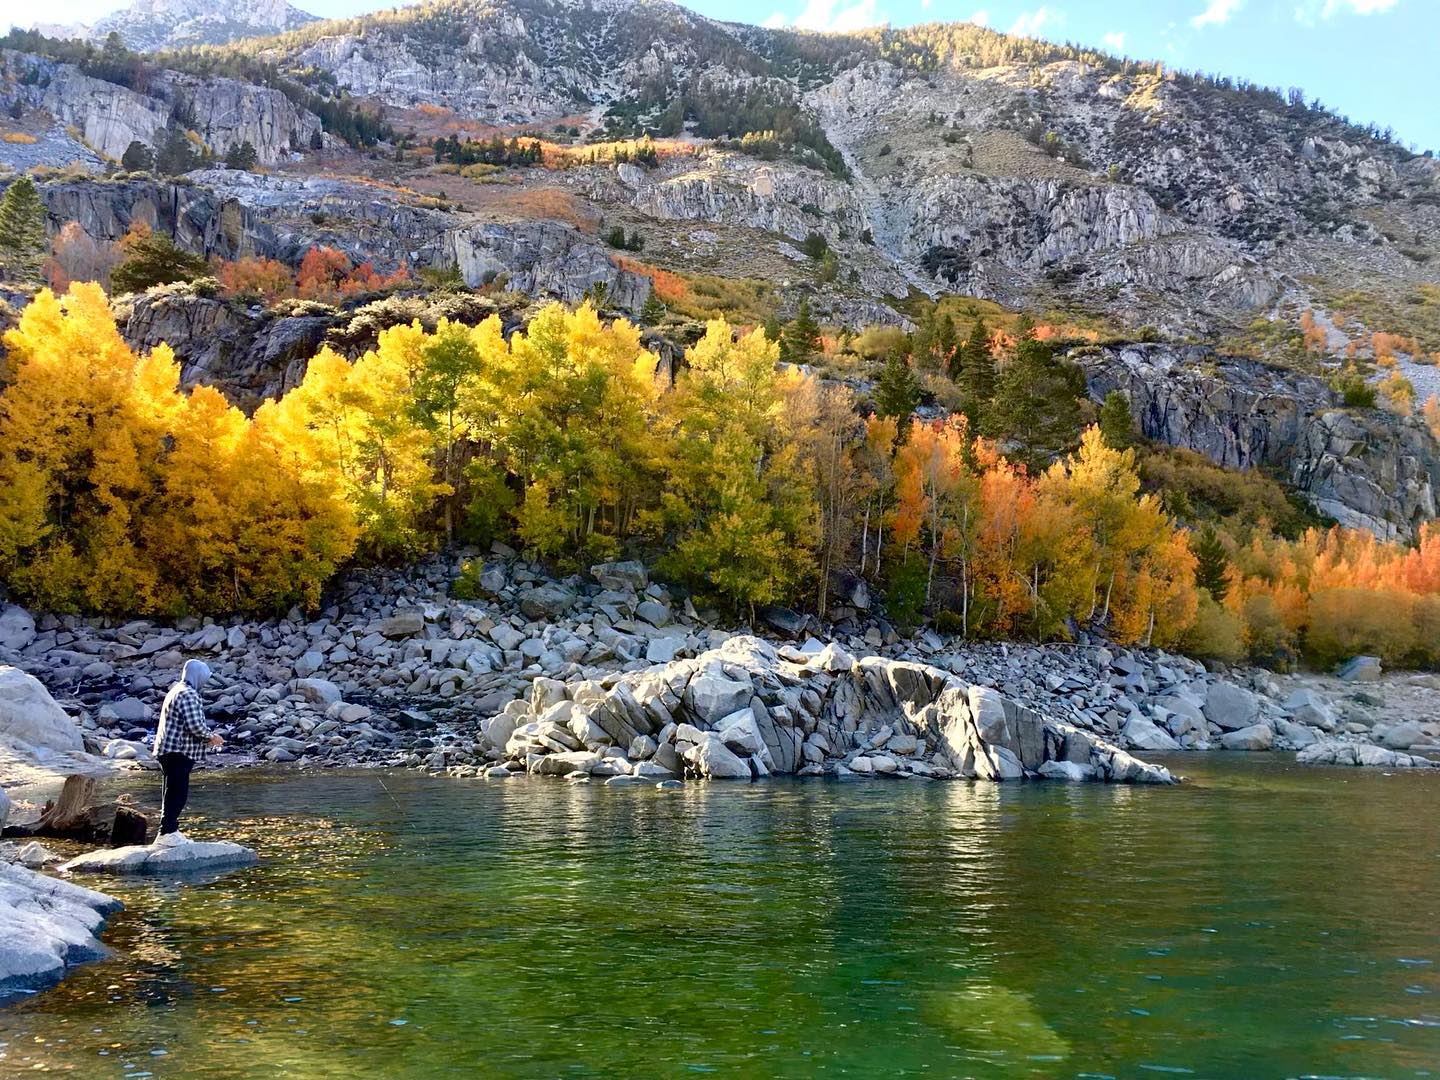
pixel 182 727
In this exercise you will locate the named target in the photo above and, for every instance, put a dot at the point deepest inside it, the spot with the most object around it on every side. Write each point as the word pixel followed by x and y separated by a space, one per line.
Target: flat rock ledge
pixel 153 859
pixel 1341 752
pixel 746 710
pixel 46 925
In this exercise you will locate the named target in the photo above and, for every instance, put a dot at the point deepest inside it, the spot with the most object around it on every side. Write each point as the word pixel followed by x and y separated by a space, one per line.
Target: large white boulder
pixel 715 761
pixel 46 925
pixel 38 741
pixel 161 859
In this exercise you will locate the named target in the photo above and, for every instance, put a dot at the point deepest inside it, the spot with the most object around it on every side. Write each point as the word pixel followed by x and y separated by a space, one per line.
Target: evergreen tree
pixel 945 342
pixel 801 339
pixel 974 370
pixel 1212 563
pixel 1037 402
pixel 137 157
pixel 653 310
pixel 22 231
pixel 155 260
pixel 176 154
pixel 897 391
pixel 1117 426
pixel 773 331
pixel 242 157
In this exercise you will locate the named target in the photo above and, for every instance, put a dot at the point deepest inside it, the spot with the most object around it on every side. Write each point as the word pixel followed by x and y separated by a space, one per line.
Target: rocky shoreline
pixel 396 672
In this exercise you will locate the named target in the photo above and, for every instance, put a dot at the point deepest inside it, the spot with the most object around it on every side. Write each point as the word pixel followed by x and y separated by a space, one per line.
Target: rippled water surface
pixel 1263 920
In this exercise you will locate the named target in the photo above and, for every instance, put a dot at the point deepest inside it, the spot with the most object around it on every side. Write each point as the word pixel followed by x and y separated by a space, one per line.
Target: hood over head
pixel 195 673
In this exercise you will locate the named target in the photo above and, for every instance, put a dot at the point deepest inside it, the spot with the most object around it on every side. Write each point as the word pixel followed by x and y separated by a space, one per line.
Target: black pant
pixel 174 789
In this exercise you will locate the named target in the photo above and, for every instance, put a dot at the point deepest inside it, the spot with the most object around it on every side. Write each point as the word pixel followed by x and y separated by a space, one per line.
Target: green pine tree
pixel 1212 563
pixel 137 157
pixel 945 342
pixel 22 231
pixel 242 157
pixel 1117 426
pixel 897 391
pixel 155 260
pixel 653 310
pixel 974 371
pixel 801 339
pixel 1037 403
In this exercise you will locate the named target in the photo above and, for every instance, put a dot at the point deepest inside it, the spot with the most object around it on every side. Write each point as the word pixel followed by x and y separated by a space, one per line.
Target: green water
pixel 1263 920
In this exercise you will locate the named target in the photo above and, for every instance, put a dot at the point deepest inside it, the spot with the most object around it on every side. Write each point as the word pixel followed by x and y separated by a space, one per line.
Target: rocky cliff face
pixel 110 117
pixel 1367 469
pixel 147 25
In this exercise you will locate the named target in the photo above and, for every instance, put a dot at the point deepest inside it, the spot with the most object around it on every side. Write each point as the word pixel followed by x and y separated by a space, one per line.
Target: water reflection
pixel 1259 921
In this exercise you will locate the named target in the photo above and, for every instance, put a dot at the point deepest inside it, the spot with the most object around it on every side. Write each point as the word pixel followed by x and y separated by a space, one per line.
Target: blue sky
pixel 1374 60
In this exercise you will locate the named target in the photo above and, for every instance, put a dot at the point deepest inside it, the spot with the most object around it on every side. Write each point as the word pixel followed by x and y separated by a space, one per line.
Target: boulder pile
pixel 746 710
pixel 398 671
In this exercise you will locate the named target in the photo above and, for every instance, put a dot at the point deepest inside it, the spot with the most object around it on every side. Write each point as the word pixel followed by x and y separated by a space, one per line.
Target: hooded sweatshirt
pixel 182 728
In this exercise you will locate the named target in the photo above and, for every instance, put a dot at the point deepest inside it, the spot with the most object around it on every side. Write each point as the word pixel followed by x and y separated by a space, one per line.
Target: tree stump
pixel 130 827
pixel 69 815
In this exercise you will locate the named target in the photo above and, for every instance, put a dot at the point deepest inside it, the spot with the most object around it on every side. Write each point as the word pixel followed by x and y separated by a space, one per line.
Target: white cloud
pixel 831 16
pixel 1031 23
pixel 980 18
pixel 1311 10
pixel 1114 41
pixel 924 5
pixel 1359 7
pixel 1217 13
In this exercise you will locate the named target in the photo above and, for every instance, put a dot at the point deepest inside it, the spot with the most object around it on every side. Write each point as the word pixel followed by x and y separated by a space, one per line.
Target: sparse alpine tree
pixel 801 339
pixel 1117 426
pixel 22 230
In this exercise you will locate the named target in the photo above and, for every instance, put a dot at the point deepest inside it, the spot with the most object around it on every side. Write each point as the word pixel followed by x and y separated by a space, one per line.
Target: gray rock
pixel 1141 734
pixel 17 628
pixel 653 612
pixel 1340 752
pixel 1230 707
pixel 1360 669
pixel 308 664
pixel 130 710
pixel 1404 736
pixel 711 697
pixel 38 740
pixel 1309 707
pixel 548 601
pixel 714 761
pixel 661 650
pixel 318 691
pixel 621 576
pixel 402 624
pixel 1254 737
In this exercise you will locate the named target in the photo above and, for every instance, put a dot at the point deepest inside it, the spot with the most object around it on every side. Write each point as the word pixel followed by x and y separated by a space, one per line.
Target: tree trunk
pixel 70 813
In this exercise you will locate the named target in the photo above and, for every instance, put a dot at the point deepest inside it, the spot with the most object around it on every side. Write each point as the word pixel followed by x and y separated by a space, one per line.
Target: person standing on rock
pixel 181 739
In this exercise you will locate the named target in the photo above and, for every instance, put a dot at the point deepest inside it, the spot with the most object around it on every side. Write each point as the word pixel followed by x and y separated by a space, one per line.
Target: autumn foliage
pixel 752 482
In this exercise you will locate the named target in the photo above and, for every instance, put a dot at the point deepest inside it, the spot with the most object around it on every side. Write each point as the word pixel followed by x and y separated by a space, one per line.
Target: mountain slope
pixel 993 166
pixel 149 25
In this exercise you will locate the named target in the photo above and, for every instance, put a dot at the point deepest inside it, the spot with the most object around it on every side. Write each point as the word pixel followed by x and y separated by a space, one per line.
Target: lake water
pixel 1262 920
